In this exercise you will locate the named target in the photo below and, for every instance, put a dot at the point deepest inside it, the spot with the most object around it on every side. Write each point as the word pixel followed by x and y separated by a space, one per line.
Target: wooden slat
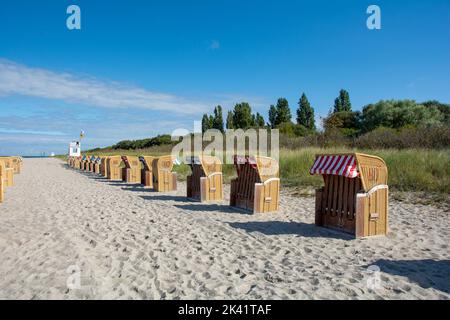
pixel 325 194
pixel 351 197
pixel 340 196
pixel 319 213
pixel 330 194
pixel 244 193
pixel 334 204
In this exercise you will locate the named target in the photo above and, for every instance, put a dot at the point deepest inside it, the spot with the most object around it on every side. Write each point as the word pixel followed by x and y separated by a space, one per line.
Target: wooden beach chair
pixel 163 177
pixel 19 164
pixel 104 167
pixel 257 186
pixel 114 169
pixel 97 163
pixel 147 171
pixel 16 164
pixel 354 198
pixel 84 162
pixel 78 163
pixel 2 181
pixel 8 171
pixel 132 171
pixel 71 161
pixel 90 164
pixel 205 182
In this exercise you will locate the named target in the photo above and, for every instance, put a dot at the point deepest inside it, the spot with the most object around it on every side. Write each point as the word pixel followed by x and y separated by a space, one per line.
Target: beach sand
pixel 58 225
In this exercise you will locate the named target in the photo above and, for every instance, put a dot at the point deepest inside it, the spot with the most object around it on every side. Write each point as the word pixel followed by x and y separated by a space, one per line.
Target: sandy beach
pixel 126 242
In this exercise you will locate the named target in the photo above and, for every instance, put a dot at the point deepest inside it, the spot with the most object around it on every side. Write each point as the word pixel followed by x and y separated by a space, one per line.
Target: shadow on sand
pixel 66 166
pixel 129 186
pixel 197 206
pixel 164 197
pixel 294 228
pixel 426 273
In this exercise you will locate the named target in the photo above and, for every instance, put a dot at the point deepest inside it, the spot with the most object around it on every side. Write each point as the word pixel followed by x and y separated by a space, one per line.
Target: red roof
pixel 341 165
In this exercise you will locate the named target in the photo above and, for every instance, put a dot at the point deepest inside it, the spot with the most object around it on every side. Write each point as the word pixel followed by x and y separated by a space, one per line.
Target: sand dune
pixel 132 243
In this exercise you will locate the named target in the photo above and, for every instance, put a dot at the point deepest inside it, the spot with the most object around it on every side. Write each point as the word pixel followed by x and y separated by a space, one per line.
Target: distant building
pixel 74 149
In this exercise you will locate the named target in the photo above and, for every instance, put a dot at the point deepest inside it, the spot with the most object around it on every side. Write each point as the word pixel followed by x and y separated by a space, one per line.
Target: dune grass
pixel 409 169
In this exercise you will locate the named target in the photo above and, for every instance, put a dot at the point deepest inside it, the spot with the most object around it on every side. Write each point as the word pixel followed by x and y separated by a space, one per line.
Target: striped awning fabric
pixel 341 165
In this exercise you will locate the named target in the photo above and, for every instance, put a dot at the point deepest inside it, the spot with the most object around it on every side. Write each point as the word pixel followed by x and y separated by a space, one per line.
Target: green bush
pixel 159 140
pixel 399 113
pixel 433 137
pixel 347 122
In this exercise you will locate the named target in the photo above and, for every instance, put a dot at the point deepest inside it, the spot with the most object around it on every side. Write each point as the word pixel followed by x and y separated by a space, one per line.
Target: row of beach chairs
pixel 8 167
pixel 152 172
pixel 256 187
pixel 354 198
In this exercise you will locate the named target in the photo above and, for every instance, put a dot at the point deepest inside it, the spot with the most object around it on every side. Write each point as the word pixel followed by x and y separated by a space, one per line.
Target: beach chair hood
pixel 342 165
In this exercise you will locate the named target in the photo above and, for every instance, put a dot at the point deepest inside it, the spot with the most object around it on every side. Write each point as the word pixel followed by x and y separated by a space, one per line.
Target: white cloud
pixel 35 132
pixel 18 79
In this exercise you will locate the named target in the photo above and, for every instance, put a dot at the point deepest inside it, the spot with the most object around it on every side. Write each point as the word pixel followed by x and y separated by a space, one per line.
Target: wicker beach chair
pixel 114 169
pixel 84 162
pixel 257 186
pixel 91 163
pixel 8 167
pixel 163 177
pixel 132 171
pixel 97 163
pixel 77 163
pixel 147 171
pixel 69 161
pixel 8 171
pixel 205 182
pixel 2 181
pixel 16 164
pixel 104 166
pixel 354 198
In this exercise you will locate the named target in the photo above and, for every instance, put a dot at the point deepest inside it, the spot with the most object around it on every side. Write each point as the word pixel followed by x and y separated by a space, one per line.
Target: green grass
pixel 409 169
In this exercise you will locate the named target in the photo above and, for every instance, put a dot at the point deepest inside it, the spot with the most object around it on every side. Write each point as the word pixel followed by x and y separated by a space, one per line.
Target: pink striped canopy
pixel 341 165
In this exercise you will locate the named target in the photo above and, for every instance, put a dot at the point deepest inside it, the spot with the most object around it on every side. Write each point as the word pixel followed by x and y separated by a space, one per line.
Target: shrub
pixel 436 137
pixel 347 122
pixel 287 128
pixel 397 114
pixel 159 140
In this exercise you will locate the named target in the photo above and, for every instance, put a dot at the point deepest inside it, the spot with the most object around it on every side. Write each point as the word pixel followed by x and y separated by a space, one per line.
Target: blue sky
pixel 139 68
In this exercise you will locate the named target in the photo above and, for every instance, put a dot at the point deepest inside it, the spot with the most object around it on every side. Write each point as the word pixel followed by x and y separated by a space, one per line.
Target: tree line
pixel 398 121
pixel 159 140
pixel 242 117
pixel 341 118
